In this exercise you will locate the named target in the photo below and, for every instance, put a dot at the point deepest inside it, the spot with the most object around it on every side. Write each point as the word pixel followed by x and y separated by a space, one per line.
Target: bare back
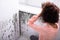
pixel 49 33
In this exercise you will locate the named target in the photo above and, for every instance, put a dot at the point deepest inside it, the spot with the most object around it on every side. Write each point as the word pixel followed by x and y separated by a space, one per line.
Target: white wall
pixel 29 9
pixel 8 8
pixel 37 3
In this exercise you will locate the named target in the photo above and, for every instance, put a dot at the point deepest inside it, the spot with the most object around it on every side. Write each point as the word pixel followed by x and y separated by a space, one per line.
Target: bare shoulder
pixel 55 27
pixel 52 28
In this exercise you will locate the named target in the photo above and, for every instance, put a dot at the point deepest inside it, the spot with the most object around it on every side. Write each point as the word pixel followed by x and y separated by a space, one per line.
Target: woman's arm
pixel 32 25
pixel 34 18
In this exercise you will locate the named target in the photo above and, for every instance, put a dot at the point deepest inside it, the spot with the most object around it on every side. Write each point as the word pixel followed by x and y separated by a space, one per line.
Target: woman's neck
pixel 53 25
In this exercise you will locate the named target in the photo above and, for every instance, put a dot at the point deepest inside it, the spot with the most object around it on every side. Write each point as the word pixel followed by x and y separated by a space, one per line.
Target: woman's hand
pixel 34 18
pixel 34 26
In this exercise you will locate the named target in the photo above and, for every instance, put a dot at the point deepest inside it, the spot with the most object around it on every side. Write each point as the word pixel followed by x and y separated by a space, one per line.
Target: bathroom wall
pixel 37 3
pixel 8 8
pixel 9 29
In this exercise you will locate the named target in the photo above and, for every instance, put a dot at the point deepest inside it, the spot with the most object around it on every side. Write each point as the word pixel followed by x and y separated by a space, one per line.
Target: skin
pixel 45 33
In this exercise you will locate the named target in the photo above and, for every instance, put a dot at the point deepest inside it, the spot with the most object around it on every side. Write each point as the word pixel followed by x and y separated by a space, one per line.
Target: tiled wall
pixel 9 29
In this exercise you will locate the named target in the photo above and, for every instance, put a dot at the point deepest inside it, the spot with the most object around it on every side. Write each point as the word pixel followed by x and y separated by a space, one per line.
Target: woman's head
pixel 50 12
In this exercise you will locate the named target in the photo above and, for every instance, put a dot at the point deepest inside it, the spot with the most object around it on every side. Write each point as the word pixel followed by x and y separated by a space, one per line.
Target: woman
pixel 50 16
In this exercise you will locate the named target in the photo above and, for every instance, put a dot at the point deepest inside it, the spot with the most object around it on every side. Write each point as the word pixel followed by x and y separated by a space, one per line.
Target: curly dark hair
pixel 50 13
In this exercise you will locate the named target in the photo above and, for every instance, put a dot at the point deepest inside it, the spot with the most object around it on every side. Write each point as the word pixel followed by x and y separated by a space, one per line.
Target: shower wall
pixel 9 29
